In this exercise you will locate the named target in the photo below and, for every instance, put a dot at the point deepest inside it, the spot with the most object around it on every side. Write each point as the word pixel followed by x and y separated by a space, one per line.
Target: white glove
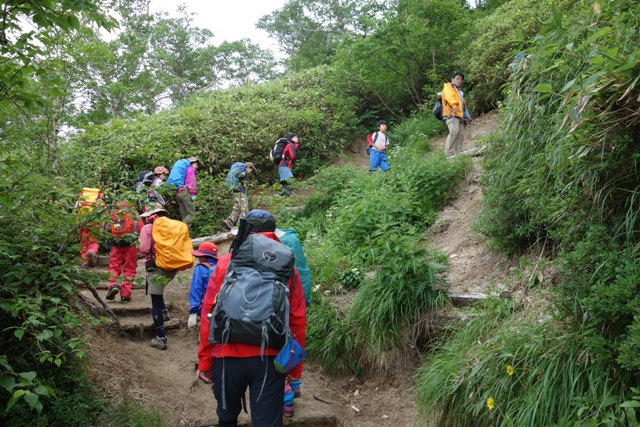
pixel 193 319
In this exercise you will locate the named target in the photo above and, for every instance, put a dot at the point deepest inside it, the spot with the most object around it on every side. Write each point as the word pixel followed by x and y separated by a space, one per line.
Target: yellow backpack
pixel 172 244
pixel 89 199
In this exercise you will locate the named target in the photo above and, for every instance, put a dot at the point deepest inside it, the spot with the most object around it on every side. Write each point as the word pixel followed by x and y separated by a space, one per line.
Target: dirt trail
pixel 164 379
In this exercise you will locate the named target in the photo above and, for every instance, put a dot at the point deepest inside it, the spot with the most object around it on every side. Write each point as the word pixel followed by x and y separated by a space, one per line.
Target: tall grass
pixel 130 413
pixel 535 375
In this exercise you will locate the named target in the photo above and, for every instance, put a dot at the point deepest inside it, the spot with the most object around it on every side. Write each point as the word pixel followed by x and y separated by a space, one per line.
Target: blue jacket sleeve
pixel 198 287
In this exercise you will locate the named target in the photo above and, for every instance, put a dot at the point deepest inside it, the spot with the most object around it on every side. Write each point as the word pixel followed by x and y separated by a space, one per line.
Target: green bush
pixel 497 38
pixel 42 366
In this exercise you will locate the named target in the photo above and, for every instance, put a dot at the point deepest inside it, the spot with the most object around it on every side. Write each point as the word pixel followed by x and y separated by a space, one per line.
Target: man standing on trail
pixel 232 364
pixel 236 181
pixel 378 155
pixel 454 114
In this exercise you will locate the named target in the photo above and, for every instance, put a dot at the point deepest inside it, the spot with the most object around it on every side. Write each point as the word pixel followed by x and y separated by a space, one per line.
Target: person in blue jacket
pixel 207 254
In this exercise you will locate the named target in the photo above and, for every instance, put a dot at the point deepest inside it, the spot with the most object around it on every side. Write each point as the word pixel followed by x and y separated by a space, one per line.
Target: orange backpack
pixel 172 244
pixel 124 220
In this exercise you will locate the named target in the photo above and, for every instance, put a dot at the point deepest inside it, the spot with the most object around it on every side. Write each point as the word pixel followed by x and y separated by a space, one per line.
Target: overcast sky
pixel 229 20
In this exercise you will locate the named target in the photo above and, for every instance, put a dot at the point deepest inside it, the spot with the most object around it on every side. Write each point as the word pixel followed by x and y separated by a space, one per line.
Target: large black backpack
pixel 252 306
pixel 145 179
pixel 437 109
pixel 277 150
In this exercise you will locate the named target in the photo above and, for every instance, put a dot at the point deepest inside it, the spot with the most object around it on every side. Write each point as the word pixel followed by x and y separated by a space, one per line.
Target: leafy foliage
pixel 405 56
pixel 41 358
pixel 497 38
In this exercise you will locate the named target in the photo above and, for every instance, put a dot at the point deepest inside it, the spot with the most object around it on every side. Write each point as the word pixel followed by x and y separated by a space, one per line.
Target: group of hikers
pixel 250 301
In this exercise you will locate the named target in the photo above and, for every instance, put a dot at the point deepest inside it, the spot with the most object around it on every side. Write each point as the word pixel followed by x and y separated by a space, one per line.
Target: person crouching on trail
pixel 288 160
pixel 233 366
pixel 237 183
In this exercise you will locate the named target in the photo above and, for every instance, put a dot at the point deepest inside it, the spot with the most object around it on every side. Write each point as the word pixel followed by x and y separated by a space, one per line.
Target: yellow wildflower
pixel 509 370
pixel 490 403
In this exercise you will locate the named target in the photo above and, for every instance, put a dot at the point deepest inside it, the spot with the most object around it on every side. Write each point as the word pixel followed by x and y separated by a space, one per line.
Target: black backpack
pixel 252 306
pixel 437 109
pixel 277 150
pixel 145 179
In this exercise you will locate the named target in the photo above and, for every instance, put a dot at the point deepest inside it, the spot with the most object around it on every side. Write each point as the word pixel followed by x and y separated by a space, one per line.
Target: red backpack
pixel 124 220
pixel 371 139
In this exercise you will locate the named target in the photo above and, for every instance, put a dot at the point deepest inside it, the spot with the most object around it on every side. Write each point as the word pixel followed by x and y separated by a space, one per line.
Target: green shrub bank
pixel 562 172
pixel 356 222
pixel 567 155
pixel 42 377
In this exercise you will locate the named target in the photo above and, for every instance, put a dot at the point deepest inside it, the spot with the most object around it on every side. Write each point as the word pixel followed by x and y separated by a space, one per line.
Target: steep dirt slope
pixel 473 267
pixel 165 379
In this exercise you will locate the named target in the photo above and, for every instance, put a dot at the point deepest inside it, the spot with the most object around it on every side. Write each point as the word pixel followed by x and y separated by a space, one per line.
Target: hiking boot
pixel 92 259
pixel 125 299
pixel 159 343
pixel 165 315
pixel 112 292
pixel 287 412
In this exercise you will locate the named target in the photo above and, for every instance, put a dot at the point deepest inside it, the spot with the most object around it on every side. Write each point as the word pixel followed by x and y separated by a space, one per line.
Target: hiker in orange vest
pixel 124 227
pixel 454 114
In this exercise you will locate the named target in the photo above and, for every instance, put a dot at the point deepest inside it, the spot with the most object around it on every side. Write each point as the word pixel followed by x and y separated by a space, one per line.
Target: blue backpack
pixel 292 241
pixel 178 174
pixel 231 181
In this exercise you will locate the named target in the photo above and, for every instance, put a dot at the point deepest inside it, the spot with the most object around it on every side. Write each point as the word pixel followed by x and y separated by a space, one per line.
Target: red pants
pixel 88 242
pixel 128 257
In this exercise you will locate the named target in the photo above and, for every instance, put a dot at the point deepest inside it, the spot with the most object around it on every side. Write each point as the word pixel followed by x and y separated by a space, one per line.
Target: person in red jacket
pixel 244 365
pixel 286 164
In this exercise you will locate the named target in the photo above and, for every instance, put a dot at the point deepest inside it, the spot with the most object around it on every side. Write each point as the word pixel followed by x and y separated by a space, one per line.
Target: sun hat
pixel 250 165
pixel 153 208
pixel 291 135
pixel 193 160
pixel 206 249
pixel 160 169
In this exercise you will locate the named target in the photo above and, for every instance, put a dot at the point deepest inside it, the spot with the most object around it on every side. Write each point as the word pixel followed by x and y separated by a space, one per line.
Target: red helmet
pixel 160 169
